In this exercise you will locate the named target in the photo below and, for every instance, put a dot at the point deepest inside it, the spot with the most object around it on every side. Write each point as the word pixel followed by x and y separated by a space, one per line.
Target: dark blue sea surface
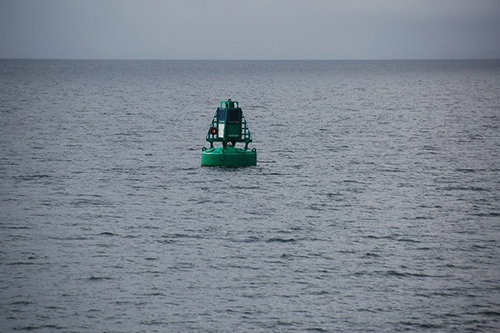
pixel 375 204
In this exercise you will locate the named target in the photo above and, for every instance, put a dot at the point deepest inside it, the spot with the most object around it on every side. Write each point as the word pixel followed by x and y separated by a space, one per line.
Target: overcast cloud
pixel 250 29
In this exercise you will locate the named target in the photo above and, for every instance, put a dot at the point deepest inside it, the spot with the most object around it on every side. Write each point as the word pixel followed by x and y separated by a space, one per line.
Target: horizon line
pixel 259 59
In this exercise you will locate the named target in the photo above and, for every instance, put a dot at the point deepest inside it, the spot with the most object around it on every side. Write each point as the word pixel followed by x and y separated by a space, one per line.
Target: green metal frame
pixel 233 131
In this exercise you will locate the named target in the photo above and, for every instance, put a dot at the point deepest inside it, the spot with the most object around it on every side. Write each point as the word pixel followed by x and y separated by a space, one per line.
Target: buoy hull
pixel 228 156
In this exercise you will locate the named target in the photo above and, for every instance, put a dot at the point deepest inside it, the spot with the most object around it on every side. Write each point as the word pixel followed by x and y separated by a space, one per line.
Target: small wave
pixel 182 265
pixel 421 325
pixel 285 323
pixel 21 303
pixel 353 181
pixel 245 187
pixel 465 170
pixel 479 247
pixel 401 274
pixel 32 177
pixel 186 169
pixel 35 328
pixel 150 227
pixel 165 241
pixel 287 256
pixel 179 235
pixel 88 202
pixel 251 239
pixel 13 227
pixel 391 170
pixel 281 240
pixel 422 218
pixel 379 237
pixel 409 240
pixel 69 238
pixel 492 214
pixel 155 294
pixel 154 322
pixel 316 329
pixel 490 313
pixel 316 207
pixel 100 278
pixel 460 188
pixel 106 233
pixel 19 263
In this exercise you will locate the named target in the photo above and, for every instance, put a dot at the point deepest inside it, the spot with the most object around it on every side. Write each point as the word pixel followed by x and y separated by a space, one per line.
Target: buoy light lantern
pixel 228 127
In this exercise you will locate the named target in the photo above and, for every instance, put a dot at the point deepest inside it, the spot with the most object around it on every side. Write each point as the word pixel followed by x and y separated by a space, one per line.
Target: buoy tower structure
pixel 228 127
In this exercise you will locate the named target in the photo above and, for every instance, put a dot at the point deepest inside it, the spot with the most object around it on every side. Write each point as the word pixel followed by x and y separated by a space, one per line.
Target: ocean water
pixel 375 204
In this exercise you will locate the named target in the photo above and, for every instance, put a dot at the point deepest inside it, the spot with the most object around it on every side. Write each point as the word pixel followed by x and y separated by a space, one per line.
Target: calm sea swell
pixel 374 206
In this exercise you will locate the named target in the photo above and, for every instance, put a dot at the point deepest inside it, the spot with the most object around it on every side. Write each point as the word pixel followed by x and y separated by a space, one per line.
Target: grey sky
pixel 250 29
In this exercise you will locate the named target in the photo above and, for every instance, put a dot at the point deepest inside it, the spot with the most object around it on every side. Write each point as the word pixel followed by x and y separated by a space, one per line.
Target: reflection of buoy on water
pixel 229 127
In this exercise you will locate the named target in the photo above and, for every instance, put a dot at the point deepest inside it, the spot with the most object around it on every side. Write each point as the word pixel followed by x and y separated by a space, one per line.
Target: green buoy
pixel 229 127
